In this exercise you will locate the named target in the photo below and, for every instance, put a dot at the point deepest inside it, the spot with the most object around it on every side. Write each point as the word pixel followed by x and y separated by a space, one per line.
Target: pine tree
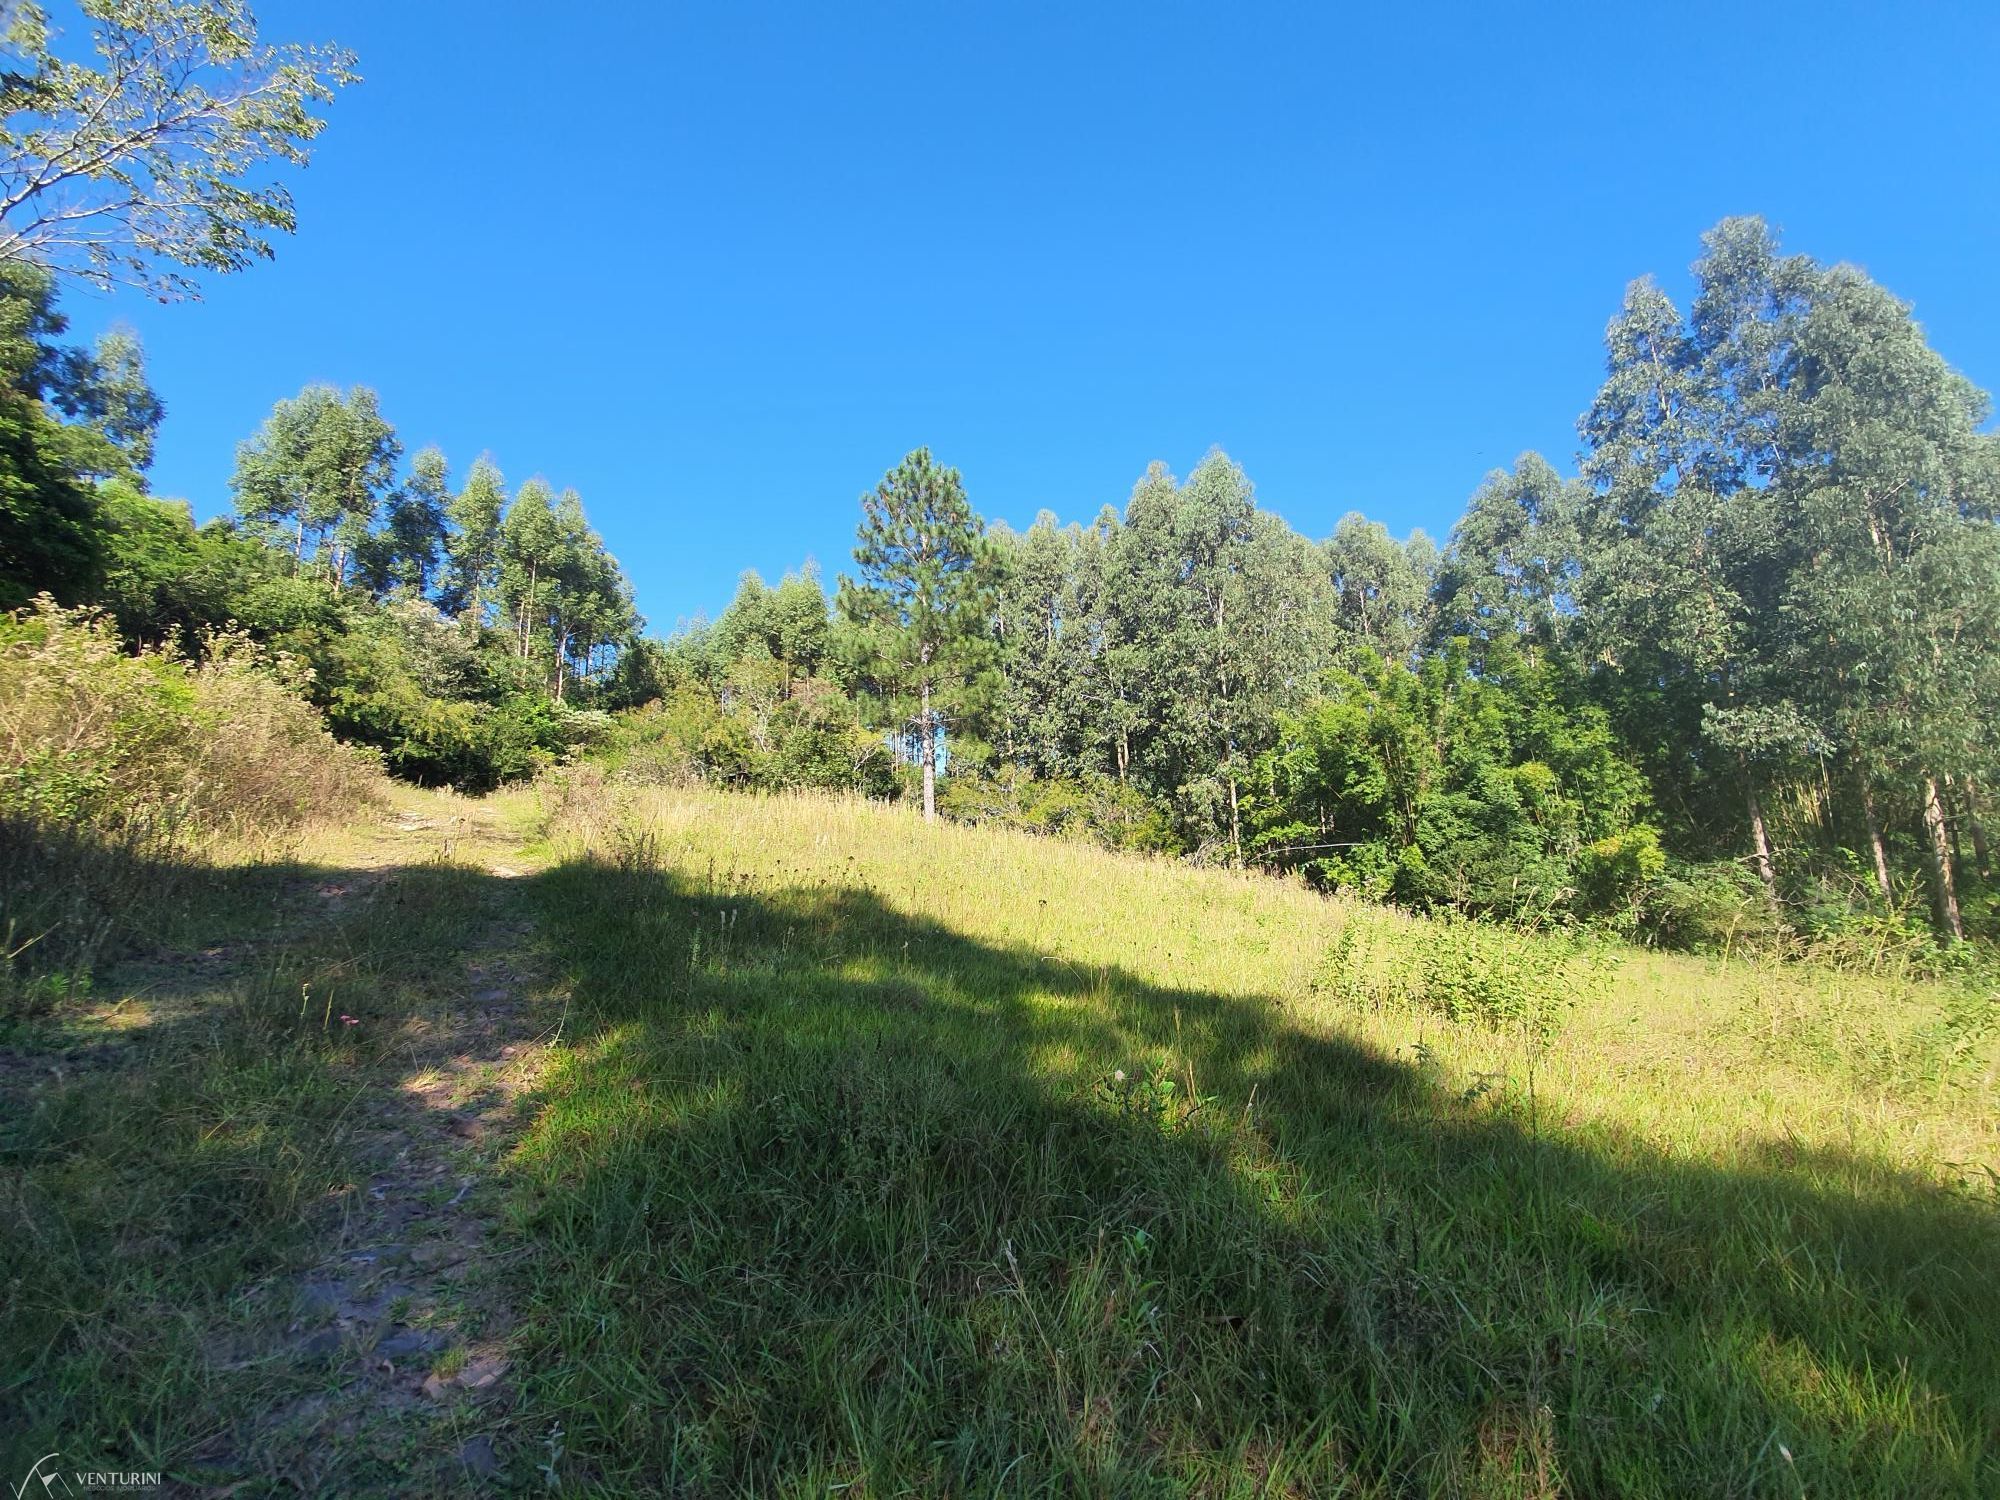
pixel 921 604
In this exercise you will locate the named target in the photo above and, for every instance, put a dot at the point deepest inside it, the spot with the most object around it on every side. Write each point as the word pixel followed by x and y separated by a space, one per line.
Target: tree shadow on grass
pixel 827 1195
pixel 227 1175
pixel 830 1195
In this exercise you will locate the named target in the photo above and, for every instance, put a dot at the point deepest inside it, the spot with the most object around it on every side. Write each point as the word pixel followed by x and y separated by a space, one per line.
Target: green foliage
pixel 316 473
pixel 1439 787
pixel 1096 810
pixel 1617 872
pixel 137 167
pixel 1472 973
pixel 752 702
pixel 1716 907
pixel 117 766
pixel 68 416
pixel 441 710
pixel 1383 588
pixel 918 607
pixel 1508 980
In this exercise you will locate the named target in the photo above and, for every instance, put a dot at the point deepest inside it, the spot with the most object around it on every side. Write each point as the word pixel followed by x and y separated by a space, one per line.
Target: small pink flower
pixel 347 1020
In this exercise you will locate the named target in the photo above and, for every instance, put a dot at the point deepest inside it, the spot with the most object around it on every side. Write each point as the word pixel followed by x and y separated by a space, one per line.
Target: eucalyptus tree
pixel 1228 616
pixel 590 607
pixel 787 625
pixel 530 555
pixel 1051 631
pixel 1512 566
pixel 920 603
pixel 1382 587
pixel 317 471
pixel 472 542
pixel 402 554
pixel 141 165
pixel 1682 543
pixel 1892 599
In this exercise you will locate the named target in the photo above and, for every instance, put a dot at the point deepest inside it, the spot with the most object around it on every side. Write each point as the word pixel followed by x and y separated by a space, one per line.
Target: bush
pixel 797 734
pixel 1469 971
pixel 1710 908
pixel 1506 979
pixel 117 768
pixel 1616 874
pixel 1096 810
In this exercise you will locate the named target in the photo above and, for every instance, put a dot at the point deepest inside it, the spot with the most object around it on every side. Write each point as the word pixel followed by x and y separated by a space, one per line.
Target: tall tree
pixel 1052 639
pixel 111 398
pixel 1382 587
pixel 920 602
pixel 403 553
pixel 318 470
pixel 1684 551
pixel 1512 565
pixel 472 544
pixel 140 166
pixel 1887 494
pixel 530 555
pixel 50 539
pixel 1228 614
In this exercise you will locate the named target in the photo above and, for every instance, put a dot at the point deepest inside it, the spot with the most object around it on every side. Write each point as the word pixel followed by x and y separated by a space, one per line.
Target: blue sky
pixel 720 265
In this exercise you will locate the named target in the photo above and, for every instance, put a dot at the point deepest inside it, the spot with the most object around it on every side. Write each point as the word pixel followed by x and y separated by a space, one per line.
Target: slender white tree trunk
pixel 927 730
pixel 1875 843
pixel 1760 841
pixel 1946 887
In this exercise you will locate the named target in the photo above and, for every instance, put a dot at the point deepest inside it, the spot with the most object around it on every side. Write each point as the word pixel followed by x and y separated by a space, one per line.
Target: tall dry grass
pixel 122 773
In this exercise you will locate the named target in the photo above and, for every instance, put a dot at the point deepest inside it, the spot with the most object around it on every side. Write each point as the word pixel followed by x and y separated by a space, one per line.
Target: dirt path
pixel 398 1328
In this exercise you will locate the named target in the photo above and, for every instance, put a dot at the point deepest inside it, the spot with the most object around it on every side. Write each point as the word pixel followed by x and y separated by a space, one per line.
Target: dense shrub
pixel 1491 787
pixel 116 768
pixel 1098 810
pixel 763 731
pixel 1470 972
pixel 1617 873
pixel 1710 908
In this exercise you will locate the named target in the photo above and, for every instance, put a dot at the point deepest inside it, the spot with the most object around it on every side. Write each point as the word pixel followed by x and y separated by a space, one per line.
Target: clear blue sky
pixel 719 265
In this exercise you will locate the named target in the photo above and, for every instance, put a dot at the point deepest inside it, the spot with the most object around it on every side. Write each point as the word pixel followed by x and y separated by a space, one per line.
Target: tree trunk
pixel 1875 843
pixel 1760 839
pixel 1939 839
pixel 1954 806
pixel 1235 822
pixel 1979 855
pixel 927 730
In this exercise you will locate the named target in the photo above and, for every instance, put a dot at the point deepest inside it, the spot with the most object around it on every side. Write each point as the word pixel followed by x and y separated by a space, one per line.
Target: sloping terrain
pixel 883 1159
pixel 721 1145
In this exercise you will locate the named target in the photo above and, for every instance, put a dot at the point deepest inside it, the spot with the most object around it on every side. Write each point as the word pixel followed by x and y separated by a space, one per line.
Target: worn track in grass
pixel 369 1352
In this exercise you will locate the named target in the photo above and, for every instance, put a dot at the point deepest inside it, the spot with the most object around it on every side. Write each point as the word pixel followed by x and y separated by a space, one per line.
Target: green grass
pixel 879 1160
pixel 885 1160
pixel 171 1148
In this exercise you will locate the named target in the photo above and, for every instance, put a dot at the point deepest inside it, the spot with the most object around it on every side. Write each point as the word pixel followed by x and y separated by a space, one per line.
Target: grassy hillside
pixel 886 1159
pixel 734 1146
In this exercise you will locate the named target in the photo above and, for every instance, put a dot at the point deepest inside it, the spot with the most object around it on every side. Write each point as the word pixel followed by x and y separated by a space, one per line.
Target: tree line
pixel 1742 668
pixel 468 634
pixel 1739 670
